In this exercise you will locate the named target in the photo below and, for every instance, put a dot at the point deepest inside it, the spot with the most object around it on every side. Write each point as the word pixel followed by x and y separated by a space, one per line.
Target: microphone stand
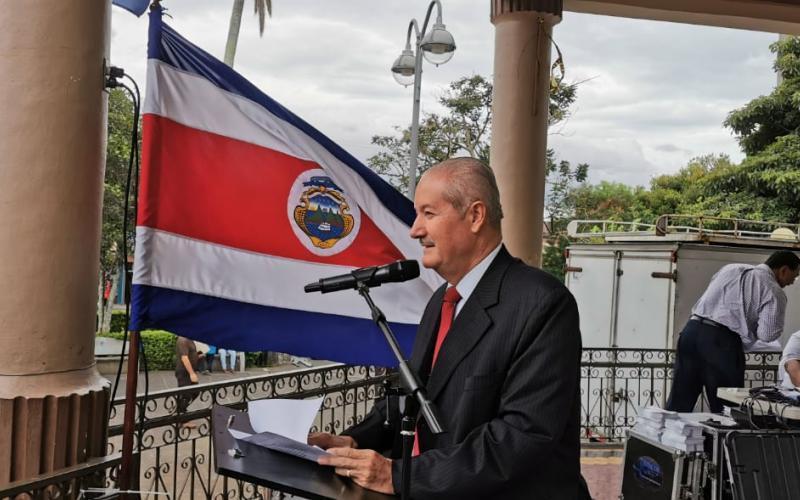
pixel 413 387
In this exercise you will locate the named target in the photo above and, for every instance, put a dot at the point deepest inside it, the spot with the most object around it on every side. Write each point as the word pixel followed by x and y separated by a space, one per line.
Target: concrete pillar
pixel 53 402
pixel 519 117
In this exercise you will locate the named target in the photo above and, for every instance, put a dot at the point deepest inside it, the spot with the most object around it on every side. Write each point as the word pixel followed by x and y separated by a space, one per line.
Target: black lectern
pixel 276 470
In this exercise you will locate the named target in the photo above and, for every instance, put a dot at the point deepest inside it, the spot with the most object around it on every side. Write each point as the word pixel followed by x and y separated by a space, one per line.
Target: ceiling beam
pixel 758 15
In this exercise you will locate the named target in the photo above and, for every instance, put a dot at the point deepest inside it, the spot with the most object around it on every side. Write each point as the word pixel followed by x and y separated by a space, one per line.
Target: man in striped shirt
pixel 741 305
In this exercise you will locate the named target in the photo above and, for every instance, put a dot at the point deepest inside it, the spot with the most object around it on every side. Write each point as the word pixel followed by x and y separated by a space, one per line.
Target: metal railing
pixel 616 383
pixel 699 227
pixel 175 454
pixel 177 459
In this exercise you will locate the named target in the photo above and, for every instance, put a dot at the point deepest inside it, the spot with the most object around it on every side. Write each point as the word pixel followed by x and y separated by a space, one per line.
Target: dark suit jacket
pixel 506 387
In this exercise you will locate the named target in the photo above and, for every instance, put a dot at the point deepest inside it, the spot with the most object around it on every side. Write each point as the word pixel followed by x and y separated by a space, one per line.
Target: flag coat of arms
pixel 242 203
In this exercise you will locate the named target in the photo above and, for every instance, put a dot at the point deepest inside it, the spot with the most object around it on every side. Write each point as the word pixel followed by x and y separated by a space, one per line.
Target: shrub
pixel 118 321
pixel 255 359
pixel 159 347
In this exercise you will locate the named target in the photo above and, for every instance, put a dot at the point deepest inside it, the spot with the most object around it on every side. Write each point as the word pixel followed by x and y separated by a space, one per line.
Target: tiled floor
pixel 603 475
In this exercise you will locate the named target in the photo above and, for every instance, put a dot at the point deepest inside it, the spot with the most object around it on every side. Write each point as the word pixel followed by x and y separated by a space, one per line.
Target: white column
pixel 519 117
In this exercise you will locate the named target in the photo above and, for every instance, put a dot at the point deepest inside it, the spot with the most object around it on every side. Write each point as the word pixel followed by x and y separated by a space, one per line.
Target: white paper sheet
pixel 282 425
pixel 290 418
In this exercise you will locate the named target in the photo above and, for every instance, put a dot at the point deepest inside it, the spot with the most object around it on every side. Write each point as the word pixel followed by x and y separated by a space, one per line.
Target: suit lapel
pixel 470 325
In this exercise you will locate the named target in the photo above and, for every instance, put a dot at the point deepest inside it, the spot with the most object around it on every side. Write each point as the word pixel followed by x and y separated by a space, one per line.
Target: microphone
pixel 396 272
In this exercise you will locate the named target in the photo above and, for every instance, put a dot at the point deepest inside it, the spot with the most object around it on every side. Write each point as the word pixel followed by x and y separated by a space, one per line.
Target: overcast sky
pixel 654 94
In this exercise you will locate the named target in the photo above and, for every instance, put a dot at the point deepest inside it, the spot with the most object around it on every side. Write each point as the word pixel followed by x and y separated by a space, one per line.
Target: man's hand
pixel 193 377
pixel 325 441
pixel 367 468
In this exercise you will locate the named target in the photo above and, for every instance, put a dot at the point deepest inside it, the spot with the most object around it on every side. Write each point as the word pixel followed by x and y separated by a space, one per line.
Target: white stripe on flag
pixel 196 102
pixel 179 263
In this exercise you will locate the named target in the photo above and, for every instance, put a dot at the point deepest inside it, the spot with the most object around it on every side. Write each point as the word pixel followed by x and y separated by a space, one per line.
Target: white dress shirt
pixel 470 280
pixel 790 352
pixel 748 300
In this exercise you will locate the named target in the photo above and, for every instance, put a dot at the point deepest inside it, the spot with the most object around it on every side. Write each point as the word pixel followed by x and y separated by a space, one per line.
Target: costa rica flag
pixel 242 203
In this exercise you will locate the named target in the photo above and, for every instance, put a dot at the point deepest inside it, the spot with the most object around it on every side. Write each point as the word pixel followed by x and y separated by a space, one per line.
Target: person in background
pixel 211 354
pixel 232 355
pixel 186 362
pixel 741 305
pixel 789 367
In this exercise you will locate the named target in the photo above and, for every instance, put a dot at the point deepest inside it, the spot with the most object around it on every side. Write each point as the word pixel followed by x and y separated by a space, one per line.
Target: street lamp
pixel 437 46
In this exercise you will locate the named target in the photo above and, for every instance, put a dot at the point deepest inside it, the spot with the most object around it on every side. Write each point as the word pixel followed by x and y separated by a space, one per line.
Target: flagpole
pixel 131 382
pixel 129 423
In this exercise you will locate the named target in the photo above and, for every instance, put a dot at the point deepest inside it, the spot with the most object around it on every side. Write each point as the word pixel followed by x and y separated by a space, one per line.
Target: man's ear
pixel 477 215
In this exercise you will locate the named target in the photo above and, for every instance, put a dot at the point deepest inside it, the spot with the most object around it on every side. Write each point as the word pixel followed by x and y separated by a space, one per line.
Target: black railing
pixel 96 474
pixel 176 458
pixel 616 383
pixel 175 453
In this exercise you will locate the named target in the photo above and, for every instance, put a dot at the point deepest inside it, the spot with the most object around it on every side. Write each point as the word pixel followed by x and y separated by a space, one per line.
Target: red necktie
pixel 451 298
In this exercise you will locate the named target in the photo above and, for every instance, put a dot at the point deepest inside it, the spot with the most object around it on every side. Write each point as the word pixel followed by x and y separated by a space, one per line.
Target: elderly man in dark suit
pixel 499 349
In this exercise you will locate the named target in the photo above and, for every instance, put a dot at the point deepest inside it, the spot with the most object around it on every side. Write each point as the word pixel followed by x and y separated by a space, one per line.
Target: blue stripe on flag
pixel 249 327
pixel 168 46
pixel 133 6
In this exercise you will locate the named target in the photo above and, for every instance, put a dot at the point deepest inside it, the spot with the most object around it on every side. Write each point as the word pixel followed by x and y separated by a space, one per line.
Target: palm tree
pixel 263 8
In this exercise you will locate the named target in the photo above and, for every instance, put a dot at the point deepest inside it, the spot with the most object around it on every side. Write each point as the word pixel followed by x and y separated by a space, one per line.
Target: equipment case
pixel 654 471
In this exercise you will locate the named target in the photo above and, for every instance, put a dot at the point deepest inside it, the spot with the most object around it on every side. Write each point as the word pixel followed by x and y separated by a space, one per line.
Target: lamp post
pixel 437 46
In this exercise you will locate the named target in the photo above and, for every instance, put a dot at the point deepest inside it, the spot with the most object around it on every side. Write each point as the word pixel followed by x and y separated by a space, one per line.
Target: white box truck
pixel 637 289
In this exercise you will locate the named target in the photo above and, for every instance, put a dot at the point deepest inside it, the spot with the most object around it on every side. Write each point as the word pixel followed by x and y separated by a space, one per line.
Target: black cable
pixel 132 179
pixel 142 350
pixel 131 157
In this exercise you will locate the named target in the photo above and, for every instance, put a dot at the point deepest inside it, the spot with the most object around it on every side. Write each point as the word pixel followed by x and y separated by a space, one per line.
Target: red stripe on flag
pixel 222 190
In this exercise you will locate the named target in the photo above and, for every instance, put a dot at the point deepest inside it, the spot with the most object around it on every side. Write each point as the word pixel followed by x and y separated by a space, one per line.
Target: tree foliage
pixel 462 129
pixel 118 148
pixel 120 117
pixel 702 187
pixel 763 120
pixel 766 185
pixel 561 181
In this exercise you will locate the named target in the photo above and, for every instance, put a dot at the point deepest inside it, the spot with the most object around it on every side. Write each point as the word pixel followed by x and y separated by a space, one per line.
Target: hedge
pixel 118 321
pixel 159 347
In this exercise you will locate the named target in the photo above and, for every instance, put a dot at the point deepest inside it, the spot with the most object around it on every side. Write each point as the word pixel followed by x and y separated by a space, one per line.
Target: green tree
pixel 608 201
pixel 561 181
pixel 689 191
pixel 263 8
pixel 118 147
pixel 766 185
pixel 763 120
pixel 463 128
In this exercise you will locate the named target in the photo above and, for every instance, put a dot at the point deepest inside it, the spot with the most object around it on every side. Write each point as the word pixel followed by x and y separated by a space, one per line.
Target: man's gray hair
pixel 470 180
